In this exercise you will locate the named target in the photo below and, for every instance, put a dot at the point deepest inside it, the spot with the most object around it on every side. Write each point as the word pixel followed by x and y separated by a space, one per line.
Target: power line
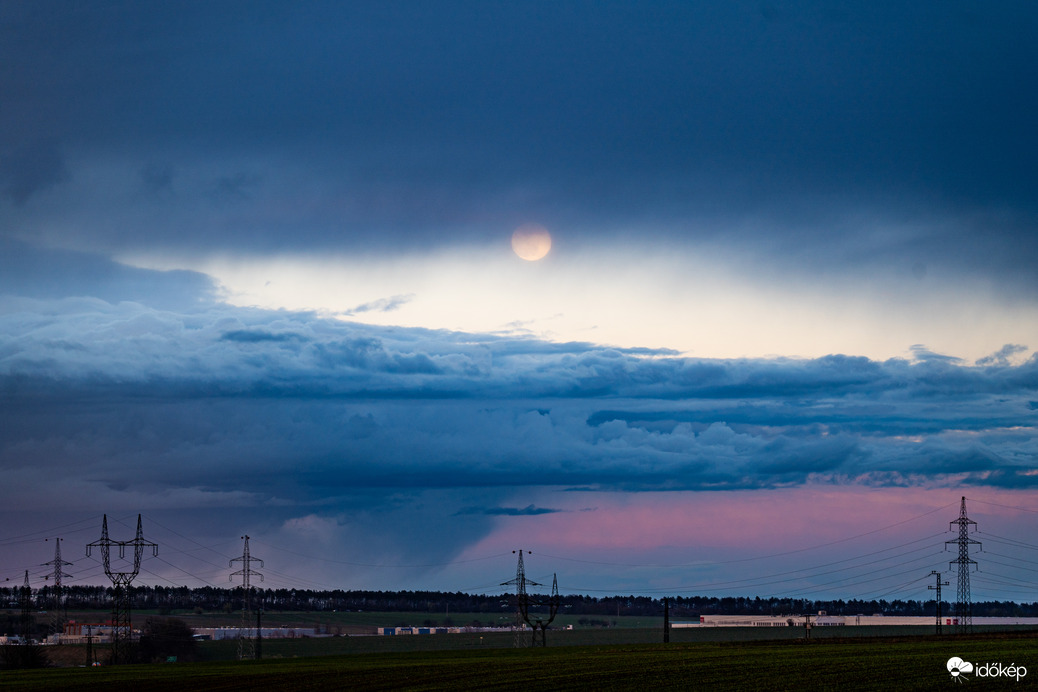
pixel 758 557
pixel 818 587
pixel 382 565
pixel 36 535
pixel 1009 541
pixel 800 573
pixel 996 504
pixel 996 562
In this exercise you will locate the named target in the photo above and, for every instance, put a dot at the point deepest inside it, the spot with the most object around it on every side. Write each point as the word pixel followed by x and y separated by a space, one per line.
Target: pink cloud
pixel 758 521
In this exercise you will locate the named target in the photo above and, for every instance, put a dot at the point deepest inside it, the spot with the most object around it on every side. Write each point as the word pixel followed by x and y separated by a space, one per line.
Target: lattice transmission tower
pixel 963 601
pixel 518 622
pixel 57 607
pixel 25 601
pixel 246 644
pixel 122 633
pixel 523 601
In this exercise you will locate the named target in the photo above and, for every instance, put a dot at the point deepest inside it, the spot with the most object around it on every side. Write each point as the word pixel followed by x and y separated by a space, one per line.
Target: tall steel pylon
pixel 25 601
pixel 122 633
pixel 552 602
pixel 523 601
pixel 246 644
pixel 57 608
pixel 963 601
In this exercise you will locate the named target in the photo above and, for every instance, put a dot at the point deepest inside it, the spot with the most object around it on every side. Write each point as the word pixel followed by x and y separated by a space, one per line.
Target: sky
pixel 257 278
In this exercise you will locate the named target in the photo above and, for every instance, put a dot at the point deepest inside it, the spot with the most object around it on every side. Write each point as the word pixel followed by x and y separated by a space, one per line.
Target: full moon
pixel 531 242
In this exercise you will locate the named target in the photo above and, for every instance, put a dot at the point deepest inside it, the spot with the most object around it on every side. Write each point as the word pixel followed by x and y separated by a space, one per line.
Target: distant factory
pixel 824 620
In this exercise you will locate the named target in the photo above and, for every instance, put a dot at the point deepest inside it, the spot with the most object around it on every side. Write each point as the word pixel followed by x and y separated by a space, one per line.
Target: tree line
pixel 167 600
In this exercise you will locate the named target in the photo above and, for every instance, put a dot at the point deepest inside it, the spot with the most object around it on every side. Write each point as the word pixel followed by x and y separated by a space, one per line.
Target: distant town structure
pixel 822 619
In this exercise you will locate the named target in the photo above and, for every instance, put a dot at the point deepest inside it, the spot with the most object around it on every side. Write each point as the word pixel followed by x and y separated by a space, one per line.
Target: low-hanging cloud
pixel 321 404
pixel 527 511
pixel 382 305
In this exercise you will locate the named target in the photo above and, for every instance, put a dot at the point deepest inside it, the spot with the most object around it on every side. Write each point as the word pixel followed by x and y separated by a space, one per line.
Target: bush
pixel 16 656
pixel 166 637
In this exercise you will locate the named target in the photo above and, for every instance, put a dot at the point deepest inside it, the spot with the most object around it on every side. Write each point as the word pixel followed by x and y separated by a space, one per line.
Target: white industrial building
pixel 218 633
pixel 824 620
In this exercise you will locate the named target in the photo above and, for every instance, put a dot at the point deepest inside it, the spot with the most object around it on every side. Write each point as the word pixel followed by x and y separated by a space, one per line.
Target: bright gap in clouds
pixel 702 303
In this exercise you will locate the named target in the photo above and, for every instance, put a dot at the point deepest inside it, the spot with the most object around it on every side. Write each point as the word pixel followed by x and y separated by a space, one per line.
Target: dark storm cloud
pixel 30 272
pixel 157 178
pixel 819 136
pixel 527 511
pixel 257 335
pixel 326 407
pixel 28 168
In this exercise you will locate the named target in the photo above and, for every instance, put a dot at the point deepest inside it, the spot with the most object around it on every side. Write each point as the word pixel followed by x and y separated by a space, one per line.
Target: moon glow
pixel 531 242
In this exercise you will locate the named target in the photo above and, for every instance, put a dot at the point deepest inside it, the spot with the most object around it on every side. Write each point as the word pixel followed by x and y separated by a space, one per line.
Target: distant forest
pixel 167 600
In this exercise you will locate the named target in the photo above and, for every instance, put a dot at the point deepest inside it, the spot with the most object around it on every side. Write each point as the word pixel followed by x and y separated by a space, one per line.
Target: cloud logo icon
pixel 956 666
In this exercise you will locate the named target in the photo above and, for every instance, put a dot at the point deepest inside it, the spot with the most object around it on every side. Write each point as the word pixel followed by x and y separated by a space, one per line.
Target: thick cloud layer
pixel 320 404
pixel 819 137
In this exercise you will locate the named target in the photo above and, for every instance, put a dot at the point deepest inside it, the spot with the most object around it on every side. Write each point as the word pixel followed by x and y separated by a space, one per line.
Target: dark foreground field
pixel 910 663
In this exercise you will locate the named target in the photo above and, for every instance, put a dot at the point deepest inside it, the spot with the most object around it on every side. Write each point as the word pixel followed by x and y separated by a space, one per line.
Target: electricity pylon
pixel 121 632
pixel 963 602
pixel 246 644
pixel 57 620
pixel 523 601
pixel 552 603
pixel 25 598
pixel 937 587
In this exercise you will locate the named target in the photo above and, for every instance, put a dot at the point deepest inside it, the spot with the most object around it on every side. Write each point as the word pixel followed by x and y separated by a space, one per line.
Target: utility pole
pixel 246 644
pixel 58 614
pixel 937 587
pixel 963 601
pixel 122 633
pixel 666 620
